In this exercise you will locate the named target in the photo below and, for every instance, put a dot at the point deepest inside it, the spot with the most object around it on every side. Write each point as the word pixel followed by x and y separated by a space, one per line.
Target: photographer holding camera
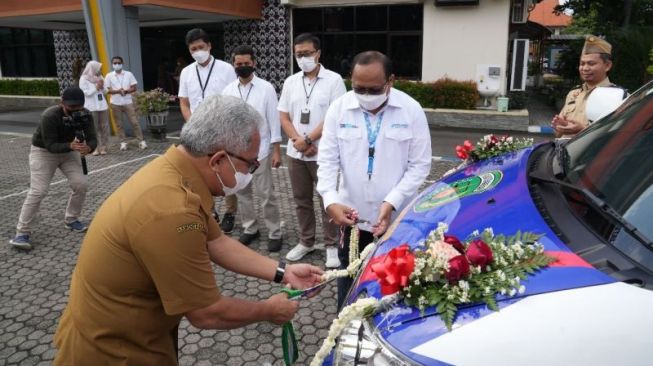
pixel 64 135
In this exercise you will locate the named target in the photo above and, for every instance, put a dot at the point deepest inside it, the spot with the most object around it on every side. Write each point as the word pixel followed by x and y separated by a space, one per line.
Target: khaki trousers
pixel 303 178
pixel 101 120
pixel 261 185
pixel 129 110
pixel 231 204
pixel 42 165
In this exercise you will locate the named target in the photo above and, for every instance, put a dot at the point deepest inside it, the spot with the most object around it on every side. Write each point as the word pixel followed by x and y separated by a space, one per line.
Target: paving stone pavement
pixel 34 285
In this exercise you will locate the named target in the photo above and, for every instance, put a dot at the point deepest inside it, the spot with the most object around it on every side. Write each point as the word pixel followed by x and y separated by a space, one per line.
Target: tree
pixel 609 15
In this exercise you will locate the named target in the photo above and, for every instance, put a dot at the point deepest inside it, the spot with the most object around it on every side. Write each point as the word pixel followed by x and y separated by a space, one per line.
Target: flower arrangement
pixel 443 272
pixel 490 146
pixel 448 272
pixel 152 101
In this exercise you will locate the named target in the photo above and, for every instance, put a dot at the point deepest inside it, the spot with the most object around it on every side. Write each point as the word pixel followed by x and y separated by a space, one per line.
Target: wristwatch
pixel 281 270
pixel 308 140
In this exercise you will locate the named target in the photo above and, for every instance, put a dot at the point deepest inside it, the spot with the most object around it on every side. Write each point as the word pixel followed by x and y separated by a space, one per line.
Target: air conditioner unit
pixel 455 2
pixel 519 65
pixel 520 11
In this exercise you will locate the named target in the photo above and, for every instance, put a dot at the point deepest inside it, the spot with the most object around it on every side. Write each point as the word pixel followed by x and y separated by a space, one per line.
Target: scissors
pixel 305 293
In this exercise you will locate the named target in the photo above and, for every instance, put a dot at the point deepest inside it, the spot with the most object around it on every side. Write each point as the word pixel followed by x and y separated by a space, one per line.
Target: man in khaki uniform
pixel 595 62
pixel 146 260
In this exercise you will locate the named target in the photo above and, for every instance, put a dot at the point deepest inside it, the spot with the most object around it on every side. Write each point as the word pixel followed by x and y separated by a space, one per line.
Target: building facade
pixel 426 40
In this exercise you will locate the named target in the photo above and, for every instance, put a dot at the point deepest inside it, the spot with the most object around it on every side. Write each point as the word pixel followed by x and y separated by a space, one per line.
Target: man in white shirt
pixel 304 101
pixel 379 140
pixel 261 95
pixel 197 81
pixel 120 85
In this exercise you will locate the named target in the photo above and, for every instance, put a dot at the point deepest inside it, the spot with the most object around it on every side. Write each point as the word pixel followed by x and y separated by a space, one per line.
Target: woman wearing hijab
pixel 92 83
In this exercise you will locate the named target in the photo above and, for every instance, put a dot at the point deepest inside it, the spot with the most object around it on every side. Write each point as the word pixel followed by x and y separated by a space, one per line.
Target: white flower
pixel 502 291
pixel 522 289
pixel 490 231
pixel 513 292
pixel 475 233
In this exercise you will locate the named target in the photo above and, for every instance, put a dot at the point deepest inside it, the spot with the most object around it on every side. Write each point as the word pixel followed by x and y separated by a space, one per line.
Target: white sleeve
pixel 272 115
pixel 284 100
pixel 107 82
pixel 87 87
pixel 338 90
pixel 419 162
pixel 132 80
pixel 183 80
pixel 328 158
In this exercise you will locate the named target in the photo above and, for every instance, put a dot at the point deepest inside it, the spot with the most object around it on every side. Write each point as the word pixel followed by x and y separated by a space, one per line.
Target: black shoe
pixel 227 223
pixel 247 239
pixel 274 245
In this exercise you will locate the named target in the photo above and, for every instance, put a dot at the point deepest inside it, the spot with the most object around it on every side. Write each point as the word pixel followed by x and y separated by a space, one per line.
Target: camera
pixel 76 121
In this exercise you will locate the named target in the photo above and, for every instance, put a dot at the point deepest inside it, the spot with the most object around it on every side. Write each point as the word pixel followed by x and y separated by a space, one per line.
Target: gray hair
pixel 220 123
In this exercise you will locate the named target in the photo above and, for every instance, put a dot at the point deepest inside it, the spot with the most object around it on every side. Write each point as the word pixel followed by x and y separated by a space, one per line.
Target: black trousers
pixel 344 284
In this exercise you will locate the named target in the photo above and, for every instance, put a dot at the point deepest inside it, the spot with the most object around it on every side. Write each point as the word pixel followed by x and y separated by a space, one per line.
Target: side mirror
pixel 603 101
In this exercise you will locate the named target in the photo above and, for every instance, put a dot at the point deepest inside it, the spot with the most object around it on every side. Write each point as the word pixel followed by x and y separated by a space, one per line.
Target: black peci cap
pixel 73 96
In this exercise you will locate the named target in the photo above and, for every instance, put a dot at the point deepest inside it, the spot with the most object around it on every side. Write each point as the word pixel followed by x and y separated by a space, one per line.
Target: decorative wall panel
pixel 270 38
pixel 71 50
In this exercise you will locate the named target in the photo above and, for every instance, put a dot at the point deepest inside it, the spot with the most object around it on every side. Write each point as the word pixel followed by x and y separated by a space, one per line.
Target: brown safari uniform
pixel 143 264
pixel 574 108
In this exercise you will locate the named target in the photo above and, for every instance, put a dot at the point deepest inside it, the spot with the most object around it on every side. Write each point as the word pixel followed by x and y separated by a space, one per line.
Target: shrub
pixel 37 87
pixel 443 93
pixel 153 101
pixel 517 100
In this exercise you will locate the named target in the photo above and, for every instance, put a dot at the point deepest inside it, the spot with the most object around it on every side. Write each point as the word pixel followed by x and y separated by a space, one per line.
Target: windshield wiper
pixel 562 158
pixel 603 207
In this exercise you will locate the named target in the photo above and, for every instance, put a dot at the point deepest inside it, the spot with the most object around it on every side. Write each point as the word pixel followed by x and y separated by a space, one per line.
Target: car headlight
pixel 358 345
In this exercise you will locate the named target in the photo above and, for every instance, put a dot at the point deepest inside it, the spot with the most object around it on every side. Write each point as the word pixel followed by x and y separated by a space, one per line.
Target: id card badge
pixel 305 117
pixel 99 97
pixel 368 191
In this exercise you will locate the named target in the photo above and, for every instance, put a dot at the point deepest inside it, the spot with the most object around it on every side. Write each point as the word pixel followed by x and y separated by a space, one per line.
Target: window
pixel 27 53
pixel 395 30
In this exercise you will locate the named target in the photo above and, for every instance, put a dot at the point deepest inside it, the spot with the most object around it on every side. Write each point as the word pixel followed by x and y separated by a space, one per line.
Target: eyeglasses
pixel 370 91
pixel 305 54
pixel 252 165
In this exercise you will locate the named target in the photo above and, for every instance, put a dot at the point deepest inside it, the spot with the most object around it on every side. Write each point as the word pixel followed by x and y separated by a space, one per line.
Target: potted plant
pixel 153 105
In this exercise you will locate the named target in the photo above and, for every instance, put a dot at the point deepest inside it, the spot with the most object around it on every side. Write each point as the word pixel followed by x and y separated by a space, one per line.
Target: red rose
pixel 457 244
pixel 479 253
pixel 468 145
pixel 461 152
pixel 395 269
pixel 458 269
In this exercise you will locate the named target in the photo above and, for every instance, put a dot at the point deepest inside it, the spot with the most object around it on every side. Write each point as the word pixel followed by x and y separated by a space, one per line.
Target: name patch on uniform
pixel 195 226
pixel 348 125
pixel 399 125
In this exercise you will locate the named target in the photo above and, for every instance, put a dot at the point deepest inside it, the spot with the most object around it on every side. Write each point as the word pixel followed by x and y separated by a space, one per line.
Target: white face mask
pixel 201 56
pixel 117 67
pixel 371 102
pixel 242 180
pixel 307 63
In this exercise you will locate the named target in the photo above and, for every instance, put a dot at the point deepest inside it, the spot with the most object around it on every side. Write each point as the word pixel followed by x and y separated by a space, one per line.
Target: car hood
pixel 489 194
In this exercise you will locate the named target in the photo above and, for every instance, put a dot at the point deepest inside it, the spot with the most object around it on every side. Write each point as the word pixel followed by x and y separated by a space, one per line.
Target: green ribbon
pixel 288 339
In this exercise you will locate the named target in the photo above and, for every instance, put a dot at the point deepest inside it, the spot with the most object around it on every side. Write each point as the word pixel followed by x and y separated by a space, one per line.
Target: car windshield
pixel 613 159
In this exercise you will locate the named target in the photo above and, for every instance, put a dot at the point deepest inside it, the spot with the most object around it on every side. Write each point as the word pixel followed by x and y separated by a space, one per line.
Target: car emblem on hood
pixel 446 193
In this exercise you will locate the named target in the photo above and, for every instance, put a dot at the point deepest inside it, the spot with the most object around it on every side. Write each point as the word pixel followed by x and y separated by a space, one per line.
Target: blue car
pixel 591 199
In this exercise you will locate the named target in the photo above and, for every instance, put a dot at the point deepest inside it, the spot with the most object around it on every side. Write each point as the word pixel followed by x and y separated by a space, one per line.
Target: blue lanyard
pixel 371 139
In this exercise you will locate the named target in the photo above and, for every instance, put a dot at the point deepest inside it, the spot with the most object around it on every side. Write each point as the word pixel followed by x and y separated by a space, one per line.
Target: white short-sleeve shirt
pixel 94 99
pixel 117 81
pixel 214 81
pixel 261 95
pixel 323 90
pixel 402 156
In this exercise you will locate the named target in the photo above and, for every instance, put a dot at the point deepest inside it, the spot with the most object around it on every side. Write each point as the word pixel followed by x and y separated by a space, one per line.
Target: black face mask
pixel 244 71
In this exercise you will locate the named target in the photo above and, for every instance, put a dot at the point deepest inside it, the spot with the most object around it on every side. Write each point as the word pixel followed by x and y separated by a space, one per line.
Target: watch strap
pixel 281 270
